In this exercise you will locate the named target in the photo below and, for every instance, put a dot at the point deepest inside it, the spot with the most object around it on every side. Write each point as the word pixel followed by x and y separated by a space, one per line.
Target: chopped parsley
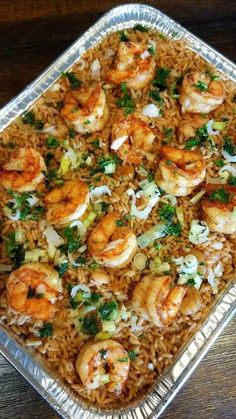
pixel 96 143
pixel 48 158
pixel 191 282
pixel 62 268
pixel 140 28
pixel 103 353
pixel 15 250
pixel 174 88
pixel 219 163
pixel 28 118
pixel 123 36
pixel 152 50
pixel 52 142
pixel 125 101
pixel 107 309
pixel 132 355
pixel 73 241
pixel 59 104
pixel 93 265
pixel 220 195
pixel 87 122
pixel 160 80
pixel 201 138
pixel 90 325
pixel 167 212
pixel 21 203
pixel 201 86
pixel 74 81
pixel 106 160
pixel 232 180
pixel 72 133
pixel 155 95
pixel 47 330
pixel 212 75
pixel 168 132
pixel 228 146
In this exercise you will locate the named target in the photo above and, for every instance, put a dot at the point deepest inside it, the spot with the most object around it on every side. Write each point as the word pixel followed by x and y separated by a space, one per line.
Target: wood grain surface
pixel 32 35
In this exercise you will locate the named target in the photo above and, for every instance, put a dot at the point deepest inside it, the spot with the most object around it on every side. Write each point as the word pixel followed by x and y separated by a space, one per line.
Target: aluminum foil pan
pixel 29 364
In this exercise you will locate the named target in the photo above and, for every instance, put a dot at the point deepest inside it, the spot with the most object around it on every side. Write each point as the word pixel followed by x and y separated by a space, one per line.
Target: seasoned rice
pixel 156 347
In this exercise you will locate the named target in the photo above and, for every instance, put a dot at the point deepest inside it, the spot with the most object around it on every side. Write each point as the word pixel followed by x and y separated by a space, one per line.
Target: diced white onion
pixel 95 69
pixel 53 237
pixel 134 326
pixel 142 172
pixel 72 260
pixel 32 200
pixel 140 261
pixel 180 215
pixel 144 55
pixel 228 157
pixel 52 129
pixel 81 227
pixel 117 143
pixel 169 198
pixel 210 129
pixel 151 366
pixel 198 232
pixel 8 213
pixel 109 326
pixel 100 190
pixel 197 197
pixel 144 213
pixel 151 111
pixel 80 287
pixel 110 168
pixel 155 232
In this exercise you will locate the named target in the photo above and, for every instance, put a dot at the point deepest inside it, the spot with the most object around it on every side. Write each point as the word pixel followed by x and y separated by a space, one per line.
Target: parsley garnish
pixel 167 212
pixel 106 309
pixel 59 104
pixel 74 82
pixel 106 160
pixel 173 229
pixel 73 241
pixel 62 268
pixel 125 101
pixel 103 353
pixel 22 204
pixel 200 139
pixel 219 195
pixel 155 95
pixel 160 80
pixel 15 250
pixel 47 330
pixel 123 36
pixel 140 28
pixel 191 282
pixel 151 49
pixel 132 355
pixel 90 325
pixel 201 86
pixel 52 142
pixel 212 75
pixel 72 133
pixel 93 265
pixel 168 132
pixel 29 119
pixel 174 89
pixel 232 180
pixel 96 143
pixel 219 163
pixel 228 146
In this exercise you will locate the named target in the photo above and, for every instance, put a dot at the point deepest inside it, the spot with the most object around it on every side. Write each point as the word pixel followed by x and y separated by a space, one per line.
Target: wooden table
pixel 32 34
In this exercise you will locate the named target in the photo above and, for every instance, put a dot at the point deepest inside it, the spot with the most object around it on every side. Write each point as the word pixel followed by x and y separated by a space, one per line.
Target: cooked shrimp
pixel 134 66
pixel 103 363
pixel 180 171
pixel 191 303
pixel 135 136
pixel 24 171
pixel 111 245
pixel 155 300
pixel 67 202
pixel 33 289
pixel 219 208
pixel 200 94
pixel 86 109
